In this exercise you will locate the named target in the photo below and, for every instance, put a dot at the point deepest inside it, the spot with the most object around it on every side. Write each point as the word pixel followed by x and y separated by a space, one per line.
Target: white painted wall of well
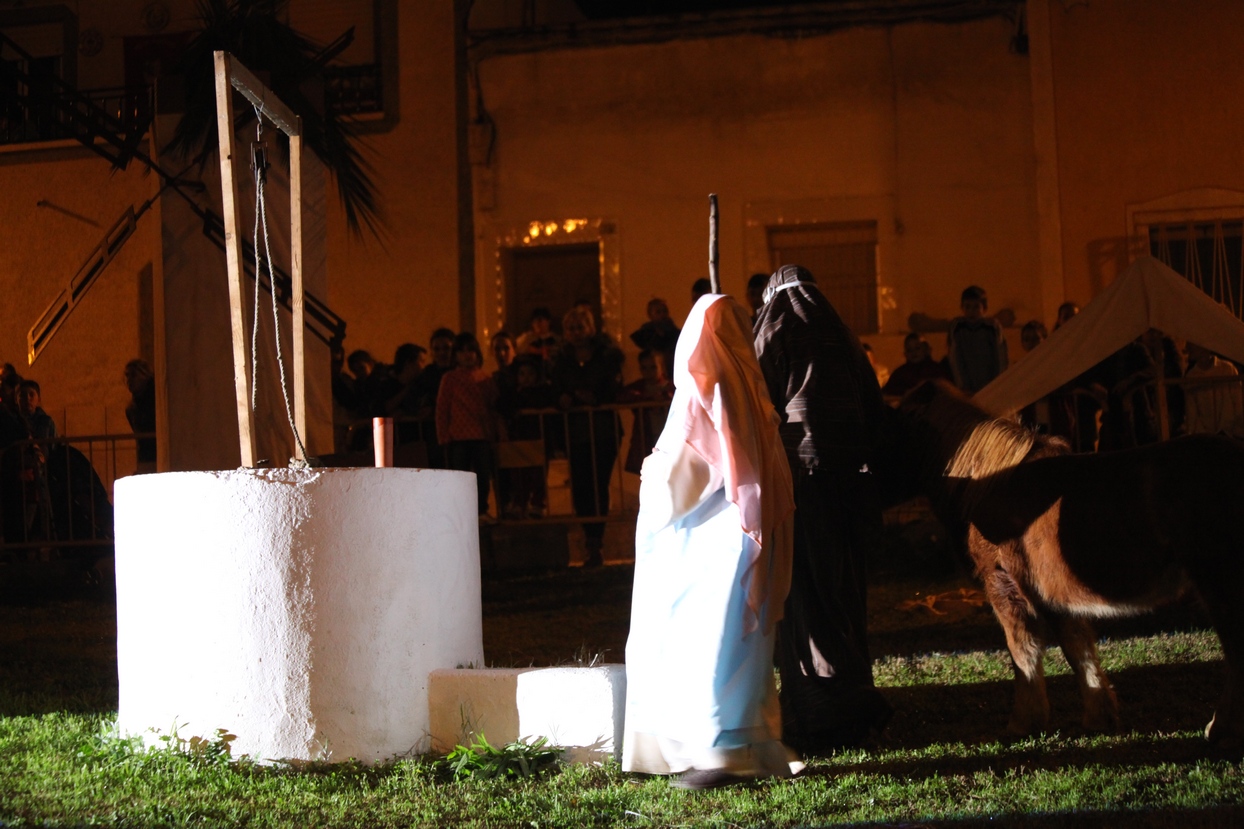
pixel 300 610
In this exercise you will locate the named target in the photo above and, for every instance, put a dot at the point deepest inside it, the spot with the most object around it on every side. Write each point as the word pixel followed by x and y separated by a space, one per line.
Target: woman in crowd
pixel 465 418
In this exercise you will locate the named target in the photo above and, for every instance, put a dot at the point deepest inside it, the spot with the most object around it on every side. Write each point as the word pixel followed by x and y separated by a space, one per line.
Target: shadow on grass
pixel 1217 816
pixel 1157 699
pixel 1122 752
pixel 58 656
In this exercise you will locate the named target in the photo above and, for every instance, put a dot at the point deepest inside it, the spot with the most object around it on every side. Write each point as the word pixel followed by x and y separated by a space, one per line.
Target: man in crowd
pixel 428 385
pixel 920 366
pixel 12 428
pixel 141 411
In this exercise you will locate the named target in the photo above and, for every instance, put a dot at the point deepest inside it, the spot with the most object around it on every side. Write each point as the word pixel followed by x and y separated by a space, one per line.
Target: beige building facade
pixel 1029 151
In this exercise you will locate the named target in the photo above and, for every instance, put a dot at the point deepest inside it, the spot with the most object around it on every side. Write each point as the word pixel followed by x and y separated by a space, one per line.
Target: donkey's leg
pixel 1227 726
pixel 1079 643
pixel 1024 630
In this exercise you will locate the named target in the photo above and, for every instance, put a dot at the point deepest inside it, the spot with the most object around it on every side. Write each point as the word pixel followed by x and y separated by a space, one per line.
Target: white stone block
pixel 579 709
pixel 301 610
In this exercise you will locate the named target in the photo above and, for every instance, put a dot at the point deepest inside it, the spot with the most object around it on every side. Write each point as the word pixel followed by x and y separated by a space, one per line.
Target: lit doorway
pixel 553 277
pixel 549 264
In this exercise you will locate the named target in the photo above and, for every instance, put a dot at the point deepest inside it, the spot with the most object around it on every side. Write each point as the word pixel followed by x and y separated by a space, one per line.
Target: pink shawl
pixel 726 417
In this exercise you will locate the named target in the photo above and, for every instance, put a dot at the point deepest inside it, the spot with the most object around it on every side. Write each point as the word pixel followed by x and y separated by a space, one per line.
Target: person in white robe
pixel 712 568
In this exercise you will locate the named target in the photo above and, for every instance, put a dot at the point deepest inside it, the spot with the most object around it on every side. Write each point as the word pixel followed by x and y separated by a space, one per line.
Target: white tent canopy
pixel 1146 295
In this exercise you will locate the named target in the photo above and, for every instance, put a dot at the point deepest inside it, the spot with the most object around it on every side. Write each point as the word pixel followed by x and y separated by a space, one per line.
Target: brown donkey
pixel 1059 538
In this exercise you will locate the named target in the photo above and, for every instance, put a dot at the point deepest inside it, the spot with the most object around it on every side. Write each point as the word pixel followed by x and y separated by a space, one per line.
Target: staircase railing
pixel 118 138
pixel 44 107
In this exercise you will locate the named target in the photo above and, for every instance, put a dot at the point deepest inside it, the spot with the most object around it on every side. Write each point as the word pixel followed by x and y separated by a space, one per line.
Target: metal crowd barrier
pixel 560 434
pixel 57 493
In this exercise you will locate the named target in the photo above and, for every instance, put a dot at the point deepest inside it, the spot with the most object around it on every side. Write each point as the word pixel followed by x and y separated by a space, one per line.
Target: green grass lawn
pixel 942 762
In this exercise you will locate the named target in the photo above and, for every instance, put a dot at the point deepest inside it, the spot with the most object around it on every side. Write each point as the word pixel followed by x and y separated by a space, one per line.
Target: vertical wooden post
pixel 295 276
pixel 233 259
pixel 713 277
pixel 1164 414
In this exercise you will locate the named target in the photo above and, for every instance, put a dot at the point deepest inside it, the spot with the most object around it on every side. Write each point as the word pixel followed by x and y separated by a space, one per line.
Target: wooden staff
pixel 713 278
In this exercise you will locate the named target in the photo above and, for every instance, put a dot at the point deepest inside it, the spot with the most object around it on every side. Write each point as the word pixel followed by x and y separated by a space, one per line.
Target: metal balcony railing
pixel 354 90
pixel 28 116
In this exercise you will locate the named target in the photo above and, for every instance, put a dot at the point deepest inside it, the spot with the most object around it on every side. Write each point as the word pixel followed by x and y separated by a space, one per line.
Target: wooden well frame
pixel 231 75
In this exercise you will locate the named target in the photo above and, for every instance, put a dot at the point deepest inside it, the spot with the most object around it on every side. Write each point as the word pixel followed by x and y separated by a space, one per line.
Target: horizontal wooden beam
pixel 258 94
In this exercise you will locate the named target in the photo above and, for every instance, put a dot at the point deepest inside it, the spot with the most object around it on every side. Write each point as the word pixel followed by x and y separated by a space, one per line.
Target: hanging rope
pixel 259 171
pixel 260 164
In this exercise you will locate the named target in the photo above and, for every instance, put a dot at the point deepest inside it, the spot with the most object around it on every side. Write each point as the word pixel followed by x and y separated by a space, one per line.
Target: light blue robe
pixel 700 691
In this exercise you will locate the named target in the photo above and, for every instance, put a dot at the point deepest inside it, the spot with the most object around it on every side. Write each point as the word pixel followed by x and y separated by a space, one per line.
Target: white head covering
pixel 721 411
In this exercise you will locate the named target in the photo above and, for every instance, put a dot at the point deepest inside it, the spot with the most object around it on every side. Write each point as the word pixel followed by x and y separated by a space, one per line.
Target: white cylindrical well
pixel 300 610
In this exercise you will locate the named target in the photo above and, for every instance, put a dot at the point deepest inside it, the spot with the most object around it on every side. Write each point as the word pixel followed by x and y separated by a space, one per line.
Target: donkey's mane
pixel 976 444
pixel 992 446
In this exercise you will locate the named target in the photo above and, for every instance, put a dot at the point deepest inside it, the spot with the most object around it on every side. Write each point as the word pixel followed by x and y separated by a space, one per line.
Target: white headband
pixel 770 290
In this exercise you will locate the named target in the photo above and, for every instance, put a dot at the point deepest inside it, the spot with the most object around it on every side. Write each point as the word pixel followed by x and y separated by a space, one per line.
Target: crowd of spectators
pixel 49 490
pixel 1113 405
pixel 548 394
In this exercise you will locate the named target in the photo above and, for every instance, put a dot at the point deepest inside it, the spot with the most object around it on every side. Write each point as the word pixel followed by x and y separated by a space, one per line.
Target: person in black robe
pixel 823 387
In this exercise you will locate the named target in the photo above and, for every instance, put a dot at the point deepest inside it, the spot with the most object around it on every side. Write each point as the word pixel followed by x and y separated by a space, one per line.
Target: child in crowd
pixel 528 487
pixel 465 424
pixel 503 349
pixel 1039 414
pixel 653 385
pixel 1032 335
pixel 38 422
pixel 977 347
pixel 539 340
